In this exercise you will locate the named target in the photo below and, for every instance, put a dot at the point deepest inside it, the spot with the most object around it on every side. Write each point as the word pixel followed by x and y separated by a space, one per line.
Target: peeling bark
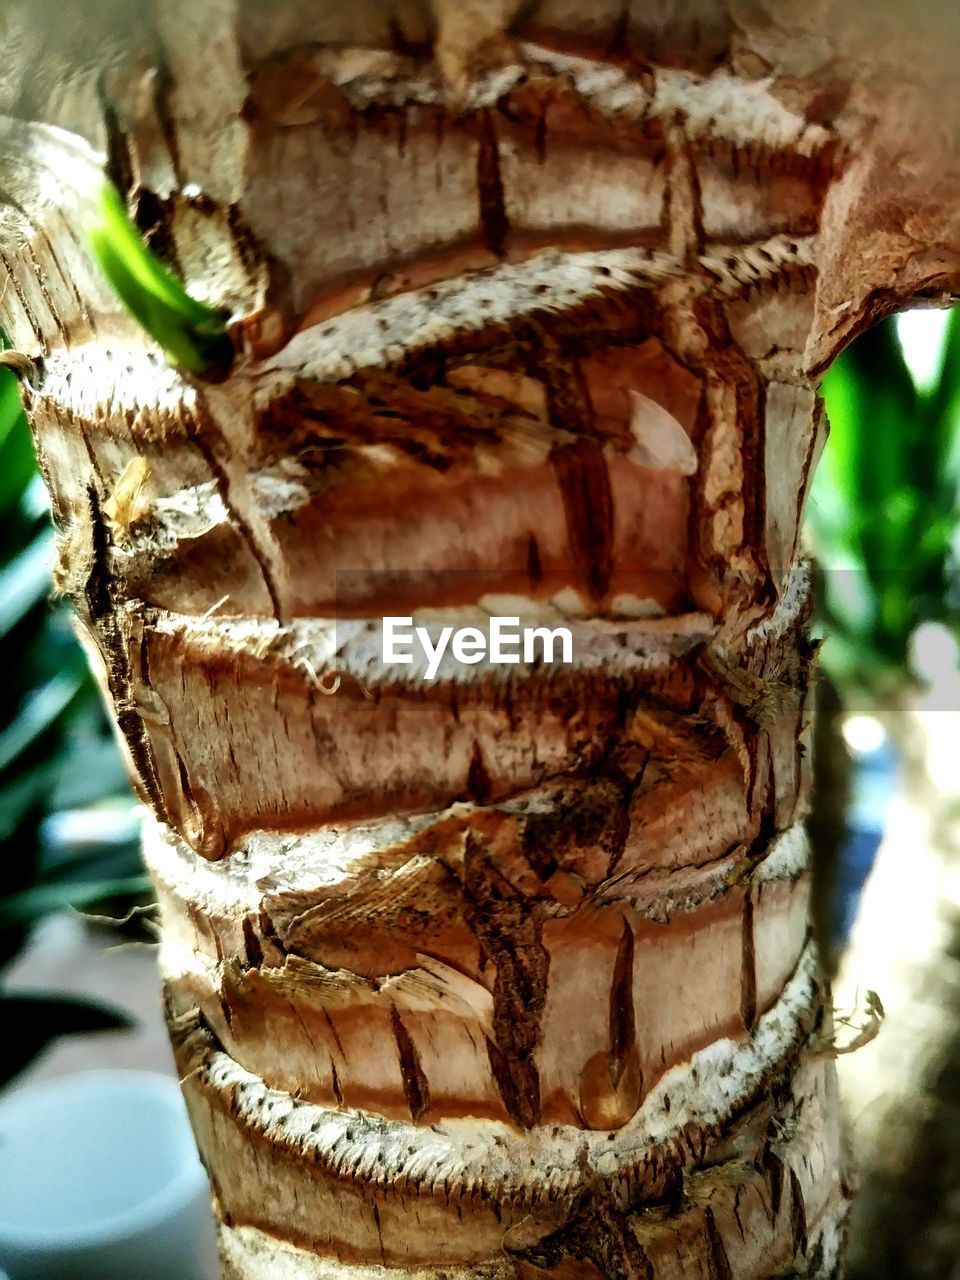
pixel 504 974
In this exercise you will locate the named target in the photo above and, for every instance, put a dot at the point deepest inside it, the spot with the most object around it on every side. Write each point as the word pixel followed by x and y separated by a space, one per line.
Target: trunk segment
pixel 506 974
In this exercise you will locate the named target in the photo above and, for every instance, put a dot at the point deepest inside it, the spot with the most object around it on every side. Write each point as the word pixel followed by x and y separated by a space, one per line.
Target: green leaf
pixel 91 769
pixel 192 334
pixel 42 708
pixel 32 1019
pixel 17 463
pixel 93 861
pixel 884 501
pixel 23 796
pixel 25 582
pixel 41 899
pixel 11 406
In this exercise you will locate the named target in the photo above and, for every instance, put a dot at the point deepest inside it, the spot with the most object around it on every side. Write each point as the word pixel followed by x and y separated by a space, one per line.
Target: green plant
pixel 192 334
pixel 884 511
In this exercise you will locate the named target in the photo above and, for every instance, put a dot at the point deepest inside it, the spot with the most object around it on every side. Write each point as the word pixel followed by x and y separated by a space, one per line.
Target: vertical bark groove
pixel 415 1085
pixel 748 984
pixel 493 213
pixel 588 507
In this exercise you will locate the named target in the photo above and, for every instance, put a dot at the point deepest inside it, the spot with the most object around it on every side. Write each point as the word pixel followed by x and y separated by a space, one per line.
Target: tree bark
pixel 506 974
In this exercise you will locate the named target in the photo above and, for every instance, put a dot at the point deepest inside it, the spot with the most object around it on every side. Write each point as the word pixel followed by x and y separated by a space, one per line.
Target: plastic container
pixel 100 1180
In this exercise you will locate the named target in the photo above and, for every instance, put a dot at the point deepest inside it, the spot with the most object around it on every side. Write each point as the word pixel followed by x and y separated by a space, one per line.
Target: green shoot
pixel 11 406
pixel 192 334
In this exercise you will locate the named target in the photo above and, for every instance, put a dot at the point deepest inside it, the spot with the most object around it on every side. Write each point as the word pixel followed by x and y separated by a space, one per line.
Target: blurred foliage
pixel 57 754
pixel 884 509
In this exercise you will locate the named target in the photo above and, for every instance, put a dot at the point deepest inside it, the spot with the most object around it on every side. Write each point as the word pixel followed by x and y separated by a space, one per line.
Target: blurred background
pixel 882 525
pixel 77 927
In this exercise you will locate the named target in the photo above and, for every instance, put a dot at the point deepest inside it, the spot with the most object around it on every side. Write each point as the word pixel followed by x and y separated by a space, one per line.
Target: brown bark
pixel 500 975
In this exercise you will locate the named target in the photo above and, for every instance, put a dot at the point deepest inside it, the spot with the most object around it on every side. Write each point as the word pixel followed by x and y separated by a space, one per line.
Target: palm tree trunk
pixel 506 974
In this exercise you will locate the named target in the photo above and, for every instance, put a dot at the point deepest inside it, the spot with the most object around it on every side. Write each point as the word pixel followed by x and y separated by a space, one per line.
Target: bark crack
pixel 748 964
pixel 509 929
pixel 222 480
pixel 623 1028
pixel 718 1263
pixel 584 481
pixel 415 1085
pixel 493 211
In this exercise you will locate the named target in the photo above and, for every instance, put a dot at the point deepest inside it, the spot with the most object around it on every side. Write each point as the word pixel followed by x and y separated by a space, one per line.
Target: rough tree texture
pixel 508 974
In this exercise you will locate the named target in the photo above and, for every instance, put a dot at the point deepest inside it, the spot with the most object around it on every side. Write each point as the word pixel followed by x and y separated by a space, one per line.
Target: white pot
pixel 100 1180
